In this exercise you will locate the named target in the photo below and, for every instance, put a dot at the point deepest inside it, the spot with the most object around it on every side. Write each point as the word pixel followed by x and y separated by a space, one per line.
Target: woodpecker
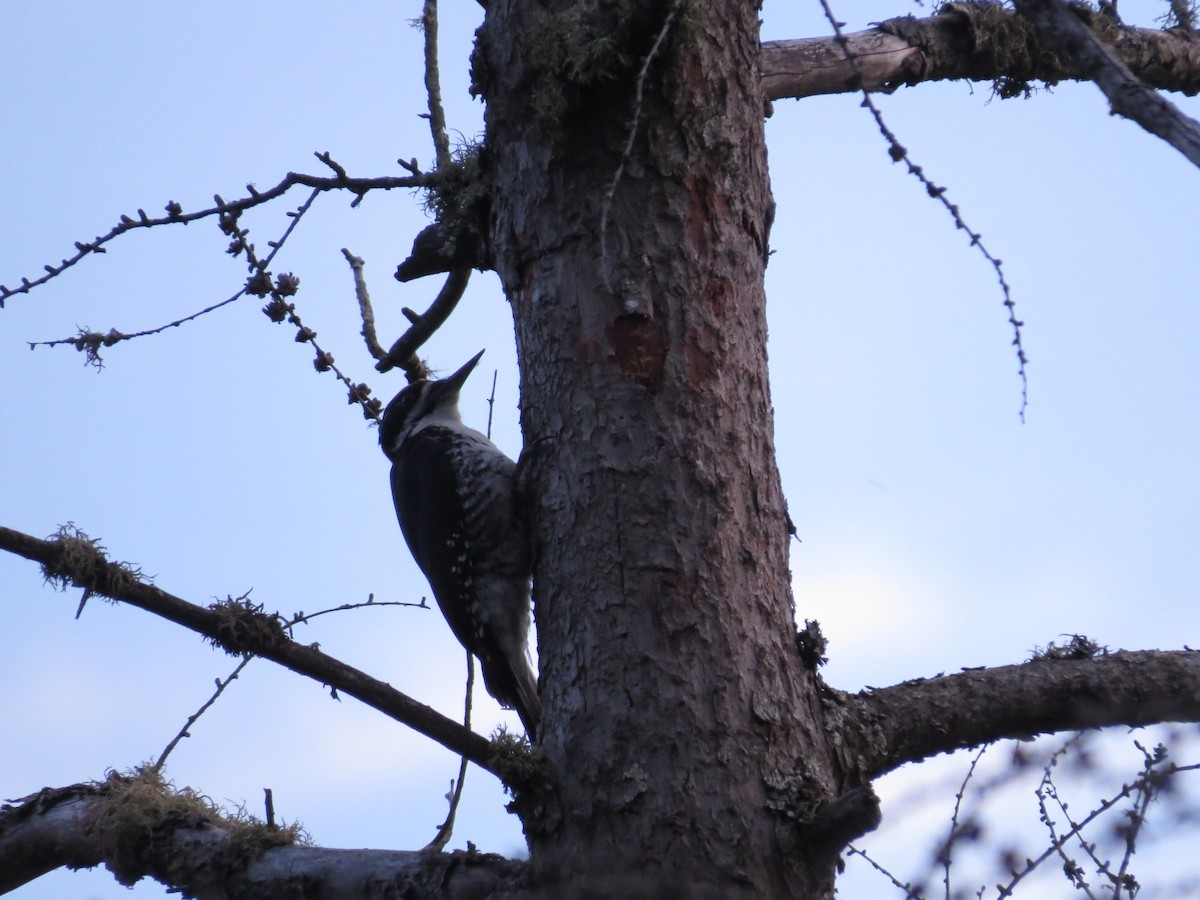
pixel 456 499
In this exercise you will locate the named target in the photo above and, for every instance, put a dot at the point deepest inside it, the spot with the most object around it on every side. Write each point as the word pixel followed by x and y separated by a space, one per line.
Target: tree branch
pixel 433 87
pixel 443 248
pixel 240 629
pixel 975 41
pixel 979 41
pixel 175 214
pixel 89 342
pixel 402 352
pixel 366 311
pixel 139 827
pixel 810 67
pixel 912 721
pixel 1127 94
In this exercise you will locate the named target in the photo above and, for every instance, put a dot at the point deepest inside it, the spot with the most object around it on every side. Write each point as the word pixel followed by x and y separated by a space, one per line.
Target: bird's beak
pixel 455 382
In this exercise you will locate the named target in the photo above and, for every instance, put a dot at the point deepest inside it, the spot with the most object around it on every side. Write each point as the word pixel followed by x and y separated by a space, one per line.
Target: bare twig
pixel 239 629
pixel 897 152
pixel 277 310
pixel 184 732
pixel 909 892
pixel 280 309
pixel 491 402
pixel 433 87
pixel 1048 789
pixel 364 305
pixel 90 342
pixel 1076 829
pixel 947 853
pixel 175 214
pixel 222 684
pixel 302 618
pixel 1148 783
pixel 446 829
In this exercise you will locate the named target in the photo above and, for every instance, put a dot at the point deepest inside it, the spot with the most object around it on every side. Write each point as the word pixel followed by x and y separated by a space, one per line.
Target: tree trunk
pixel 679 724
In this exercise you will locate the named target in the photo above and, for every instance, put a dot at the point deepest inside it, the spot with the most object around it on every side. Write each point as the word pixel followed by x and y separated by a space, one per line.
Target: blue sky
pixel 938 531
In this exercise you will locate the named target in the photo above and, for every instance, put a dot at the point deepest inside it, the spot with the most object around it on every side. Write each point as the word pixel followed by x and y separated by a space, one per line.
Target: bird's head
pixel 422 403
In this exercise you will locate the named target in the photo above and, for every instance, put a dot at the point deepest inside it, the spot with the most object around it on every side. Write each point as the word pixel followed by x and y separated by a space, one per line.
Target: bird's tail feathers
pixel 515 687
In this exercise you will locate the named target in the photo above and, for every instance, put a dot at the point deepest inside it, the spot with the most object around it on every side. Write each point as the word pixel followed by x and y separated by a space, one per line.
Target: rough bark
pixel 675 709
pixel 973 41
pixel 882 729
